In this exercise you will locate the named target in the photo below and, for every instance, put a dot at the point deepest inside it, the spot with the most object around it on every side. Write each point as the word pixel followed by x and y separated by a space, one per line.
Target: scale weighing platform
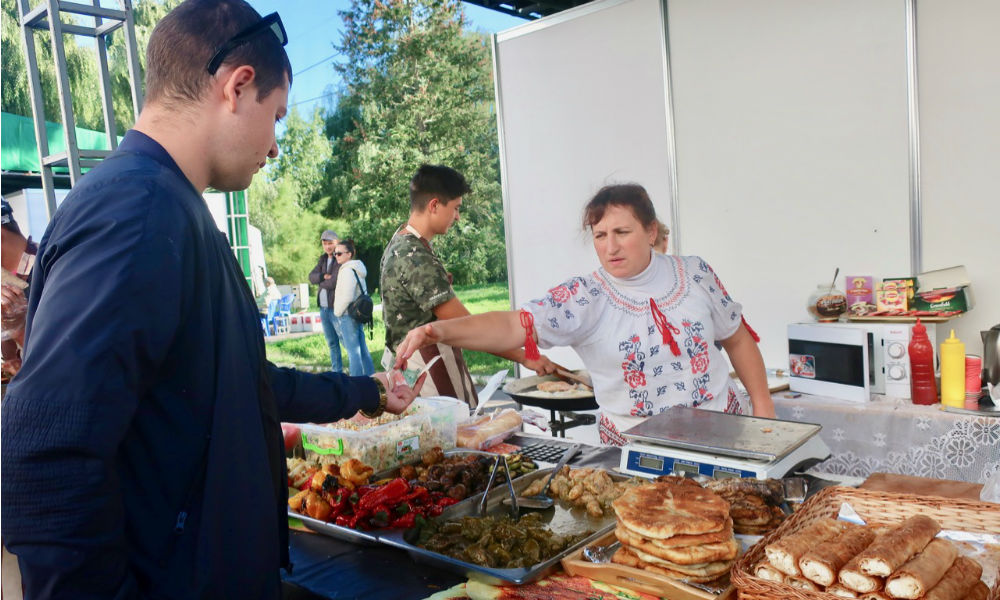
pixel 689 441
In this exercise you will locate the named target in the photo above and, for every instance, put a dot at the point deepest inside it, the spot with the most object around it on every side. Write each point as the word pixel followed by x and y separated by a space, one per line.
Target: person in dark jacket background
pixel 141 442
pixel 324 274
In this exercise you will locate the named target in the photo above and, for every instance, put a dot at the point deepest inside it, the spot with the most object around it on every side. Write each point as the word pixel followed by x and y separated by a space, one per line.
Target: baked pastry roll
pixel 766 571
pixel 979 592
pixel 852 577
pixel 875 596
pixel 824 561
pixel 957 581
pixel 802 583
pixel 923 571
pixel 784 553
pixel 839 590
pixel 889 551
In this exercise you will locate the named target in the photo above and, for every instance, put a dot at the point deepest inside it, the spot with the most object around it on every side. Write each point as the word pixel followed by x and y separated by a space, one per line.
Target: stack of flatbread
pixel 904 562
pixel 676 529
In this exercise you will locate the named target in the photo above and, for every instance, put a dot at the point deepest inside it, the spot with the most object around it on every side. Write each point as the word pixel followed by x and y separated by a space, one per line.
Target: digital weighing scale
pixel 691 441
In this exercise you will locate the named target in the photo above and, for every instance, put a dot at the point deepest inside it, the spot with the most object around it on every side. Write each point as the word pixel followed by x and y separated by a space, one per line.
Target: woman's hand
pixel 542 366
pixel 399 395
pixel 417 338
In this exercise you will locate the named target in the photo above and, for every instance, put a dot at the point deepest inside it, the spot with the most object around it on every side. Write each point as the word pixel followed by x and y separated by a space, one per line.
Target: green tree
pixel 423 89
pixel 304 152
pixel 81 68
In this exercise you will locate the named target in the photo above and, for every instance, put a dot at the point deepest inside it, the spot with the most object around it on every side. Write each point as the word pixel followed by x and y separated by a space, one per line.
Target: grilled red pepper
pixel 390 493
pixel 404 522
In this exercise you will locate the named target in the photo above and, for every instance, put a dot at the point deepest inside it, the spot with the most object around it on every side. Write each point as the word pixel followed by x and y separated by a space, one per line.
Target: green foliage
pixel 81 68
pixel 290 233
pixel 305 151
pixel 312 351
pixel 420 90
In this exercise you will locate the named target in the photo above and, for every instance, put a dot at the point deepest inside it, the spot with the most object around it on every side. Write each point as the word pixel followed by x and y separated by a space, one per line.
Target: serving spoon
pixel 542 500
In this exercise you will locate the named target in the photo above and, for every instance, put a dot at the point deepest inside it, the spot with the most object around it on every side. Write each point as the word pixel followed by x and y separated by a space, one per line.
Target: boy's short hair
pixel 185 40
pixel 436 181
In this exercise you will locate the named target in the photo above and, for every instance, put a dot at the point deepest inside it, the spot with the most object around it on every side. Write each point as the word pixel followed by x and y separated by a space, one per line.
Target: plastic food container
pixel 390 440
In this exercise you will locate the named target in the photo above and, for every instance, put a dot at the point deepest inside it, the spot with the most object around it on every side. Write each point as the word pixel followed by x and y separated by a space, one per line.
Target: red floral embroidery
pixel 635 379
pixel 699 363
pixel 560 294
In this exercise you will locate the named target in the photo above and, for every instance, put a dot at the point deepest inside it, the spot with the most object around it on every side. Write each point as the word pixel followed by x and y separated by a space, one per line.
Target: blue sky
pixel 314 27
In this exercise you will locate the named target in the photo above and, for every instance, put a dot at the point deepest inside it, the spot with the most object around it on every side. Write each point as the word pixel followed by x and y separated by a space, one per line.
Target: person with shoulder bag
pixel 352 307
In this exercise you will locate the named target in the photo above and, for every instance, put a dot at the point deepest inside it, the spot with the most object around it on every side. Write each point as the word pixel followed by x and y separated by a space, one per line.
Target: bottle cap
pixel 919 327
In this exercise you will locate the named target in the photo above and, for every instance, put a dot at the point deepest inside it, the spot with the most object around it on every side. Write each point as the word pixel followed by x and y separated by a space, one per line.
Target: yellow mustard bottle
pixel 953 371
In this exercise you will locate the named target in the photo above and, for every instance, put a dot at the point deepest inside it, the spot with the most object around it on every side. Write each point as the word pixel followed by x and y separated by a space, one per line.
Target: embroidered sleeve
pixel 726 312
pixel 568 314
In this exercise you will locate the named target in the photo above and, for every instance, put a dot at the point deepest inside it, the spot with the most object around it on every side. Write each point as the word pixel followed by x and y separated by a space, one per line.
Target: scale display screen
pixel 655 465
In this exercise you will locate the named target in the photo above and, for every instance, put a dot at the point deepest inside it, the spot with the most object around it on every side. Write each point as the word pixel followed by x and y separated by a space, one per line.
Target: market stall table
pixel 896 436
pixel 333 568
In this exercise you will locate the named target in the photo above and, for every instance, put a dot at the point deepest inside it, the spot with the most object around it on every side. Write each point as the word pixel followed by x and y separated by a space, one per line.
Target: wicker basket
pixel 876 508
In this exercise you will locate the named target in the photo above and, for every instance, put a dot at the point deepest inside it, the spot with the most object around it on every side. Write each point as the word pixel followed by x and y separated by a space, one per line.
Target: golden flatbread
pixel 626 557
pixel 685 555
pixel 700 569
pixel 627 536
pixel 662 510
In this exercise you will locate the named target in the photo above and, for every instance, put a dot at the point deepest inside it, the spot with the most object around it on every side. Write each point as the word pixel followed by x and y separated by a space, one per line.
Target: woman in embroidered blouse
pixel 649 327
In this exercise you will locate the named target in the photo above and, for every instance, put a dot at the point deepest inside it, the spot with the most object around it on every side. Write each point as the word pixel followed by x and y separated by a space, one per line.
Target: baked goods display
pixel 754 504
pixel 675 529
pixel 482 432
pixel 905 562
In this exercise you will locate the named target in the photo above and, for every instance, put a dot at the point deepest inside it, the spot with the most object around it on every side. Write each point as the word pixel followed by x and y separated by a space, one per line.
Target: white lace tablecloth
pixel 896 436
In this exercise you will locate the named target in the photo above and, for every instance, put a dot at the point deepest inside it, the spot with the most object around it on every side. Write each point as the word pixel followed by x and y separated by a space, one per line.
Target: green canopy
pixel 19 152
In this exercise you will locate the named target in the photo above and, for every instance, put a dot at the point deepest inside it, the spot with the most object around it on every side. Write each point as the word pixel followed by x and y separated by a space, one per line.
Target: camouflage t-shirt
pixel 413 282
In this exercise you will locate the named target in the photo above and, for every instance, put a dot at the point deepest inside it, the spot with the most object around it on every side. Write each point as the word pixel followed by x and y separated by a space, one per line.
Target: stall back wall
pixel 789 119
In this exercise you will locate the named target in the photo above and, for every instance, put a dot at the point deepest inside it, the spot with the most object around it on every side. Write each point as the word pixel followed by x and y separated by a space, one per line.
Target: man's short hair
pixel 436 181
pixel 186 39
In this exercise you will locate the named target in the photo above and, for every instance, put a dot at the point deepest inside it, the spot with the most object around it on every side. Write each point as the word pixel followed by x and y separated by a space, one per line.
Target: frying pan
pixel 516 389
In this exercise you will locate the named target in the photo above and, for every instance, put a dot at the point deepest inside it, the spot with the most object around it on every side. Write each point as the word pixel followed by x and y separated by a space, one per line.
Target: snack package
pixel 484 431
pixel 860 291
pixel 891 295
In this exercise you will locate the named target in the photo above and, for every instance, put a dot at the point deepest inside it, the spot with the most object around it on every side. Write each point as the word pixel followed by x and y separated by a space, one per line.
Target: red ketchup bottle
pixel 923 389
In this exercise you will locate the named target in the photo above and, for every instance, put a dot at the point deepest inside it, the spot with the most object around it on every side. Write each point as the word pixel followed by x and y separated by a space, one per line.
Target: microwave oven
pixel 851 361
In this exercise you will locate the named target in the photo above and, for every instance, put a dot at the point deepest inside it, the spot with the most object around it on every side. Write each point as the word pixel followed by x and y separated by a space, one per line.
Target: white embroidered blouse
pixel 650 341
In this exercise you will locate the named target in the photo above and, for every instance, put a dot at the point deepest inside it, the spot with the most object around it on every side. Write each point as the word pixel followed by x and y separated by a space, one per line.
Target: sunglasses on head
pixel 271 22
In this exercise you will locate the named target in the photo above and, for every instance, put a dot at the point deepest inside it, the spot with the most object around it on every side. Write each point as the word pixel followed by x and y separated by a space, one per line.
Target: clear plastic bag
pixel 991 487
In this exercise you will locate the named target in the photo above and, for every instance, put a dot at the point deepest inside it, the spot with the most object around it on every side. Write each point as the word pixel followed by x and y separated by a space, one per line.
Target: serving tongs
pixel 514 510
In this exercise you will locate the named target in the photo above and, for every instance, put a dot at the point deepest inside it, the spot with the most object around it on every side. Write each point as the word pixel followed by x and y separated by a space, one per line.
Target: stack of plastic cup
pixel 973 387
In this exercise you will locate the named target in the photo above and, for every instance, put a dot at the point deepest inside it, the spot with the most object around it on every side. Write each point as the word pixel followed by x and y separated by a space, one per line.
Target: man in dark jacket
pixel 324 274
pixel 142 452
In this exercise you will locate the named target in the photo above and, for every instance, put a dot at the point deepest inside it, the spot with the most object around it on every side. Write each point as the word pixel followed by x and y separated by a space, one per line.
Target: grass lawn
pixel 312 351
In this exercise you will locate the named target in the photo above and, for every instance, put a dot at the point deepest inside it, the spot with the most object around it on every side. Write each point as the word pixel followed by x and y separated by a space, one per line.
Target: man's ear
pixel 432 205
pixel 239 84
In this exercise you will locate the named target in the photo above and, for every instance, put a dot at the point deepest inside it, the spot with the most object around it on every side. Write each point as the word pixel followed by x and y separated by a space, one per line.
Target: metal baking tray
pixel 372 536
pixel 561 518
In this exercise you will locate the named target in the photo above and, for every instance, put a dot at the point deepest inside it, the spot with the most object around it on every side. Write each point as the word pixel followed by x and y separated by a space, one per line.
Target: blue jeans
pixel 353 337
pixel 329 320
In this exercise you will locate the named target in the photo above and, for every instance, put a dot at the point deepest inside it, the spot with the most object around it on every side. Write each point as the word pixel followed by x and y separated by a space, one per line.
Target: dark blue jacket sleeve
pixel 102 315
pixel 320 397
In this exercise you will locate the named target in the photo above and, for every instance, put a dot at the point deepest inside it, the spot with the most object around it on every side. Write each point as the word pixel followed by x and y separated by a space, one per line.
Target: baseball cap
pixel 329 235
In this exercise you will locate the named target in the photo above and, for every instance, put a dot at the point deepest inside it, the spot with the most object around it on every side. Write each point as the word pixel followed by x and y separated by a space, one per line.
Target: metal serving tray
pixel 562 519
pixel 373 536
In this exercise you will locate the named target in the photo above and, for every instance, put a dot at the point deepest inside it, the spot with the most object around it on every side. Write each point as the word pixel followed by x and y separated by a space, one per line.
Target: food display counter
pixel 896 436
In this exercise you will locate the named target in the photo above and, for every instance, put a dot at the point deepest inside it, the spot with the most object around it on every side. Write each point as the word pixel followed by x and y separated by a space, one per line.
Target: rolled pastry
pixel 802 583
pixel 958 580
pixel 923 571
pixel 888 552
pixel 979 592
pixel 851 577
pixel 824 561
pixel 784 553
pixel 839 590
pixel 766 571
pixel 875 596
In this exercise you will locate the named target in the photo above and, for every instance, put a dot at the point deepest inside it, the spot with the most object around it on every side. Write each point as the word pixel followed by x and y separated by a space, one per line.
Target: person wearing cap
pixel 324 275
pixel 142 447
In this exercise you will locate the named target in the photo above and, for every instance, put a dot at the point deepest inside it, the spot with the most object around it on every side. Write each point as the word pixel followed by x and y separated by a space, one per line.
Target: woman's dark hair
pixel 349 244
pixel 630 195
